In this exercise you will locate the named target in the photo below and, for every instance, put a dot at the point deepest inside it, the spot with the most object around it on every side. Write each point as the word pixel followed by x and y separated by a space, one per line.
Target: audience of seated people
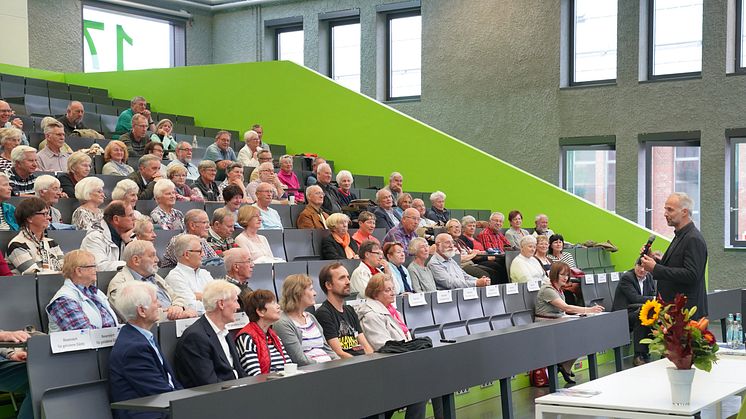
pixel 7 210
pixel 425 222
pixel 338 244
pixel 107 243
pixel 525 266
pixel 494 262
pixel 542 226
pixel 250 219
pixel 73 118
pixel 345 180
pixel 234 177
pixel 331 196
pixel 313 215
pixel 187 278
pixel 10 138
pixel 238 268
pixel 422 276
pixel 287 176
pixel 14 375
pixel 47 188
pixel 164 215
pixel 636 286
pixel 156 149
pixel 149 172
pixel 542 247
pixel 406 230
pixel 116 158
pixel 233 197
pixel 557 251
pixel 371 263
pixel 266 175
pixel 260 350
pixel 312 178
pixel 90 193
pixel 205 183
pixel 247 156
pixel 396 181
pixel 53 158
pixel 220 233
pixel 270 217
pixel 137 138
pixel 197 223
pixel 472 261
pixel 144 230
pixel 403 202
pixel 367 225
pixel 21 175
pixel 31 250
pixel 395 257
pixel 164 135
pixel 386 217
pixel 492 238
pixel 446 271
pixel 9 120
pixel 47 121
pixel 126 190
pixel 184 158
pixel 78 168
pixel 178 175
pixel 264 156
pixel 438 211
pixel 221 153
pixel 515 232
pixel 138 106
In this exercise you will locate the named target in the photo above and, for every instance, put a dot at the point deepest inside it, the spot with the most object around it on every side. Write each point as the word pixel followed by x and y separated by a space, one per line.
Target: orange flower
pixel 709 337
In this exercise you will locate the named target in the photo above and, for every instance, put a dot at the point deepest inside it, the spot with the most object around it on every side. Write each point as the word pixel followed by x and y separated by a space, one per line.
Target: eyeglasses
pixel 6 110
pixel 186 149
pixel 195 251
pixel 244 261
pixel 86 266
pixel 141 125
pixel 44 213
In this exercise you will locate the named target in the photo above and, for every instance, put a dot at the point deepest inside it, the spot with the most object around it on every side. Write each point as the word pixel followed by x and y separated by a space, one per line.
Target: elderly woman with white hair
pixel 248 153
pixel 126 190
pixel 438 211
pixel 48 188
pixel 234 176
pixel 78 168
pixel 165 215
pixel 525 266
pixel 164 135
pixel 250 219
pixel 9 139
pixel 422 276
pixel 266 174
pixel 79 305
pixel 144 230
pixel 90 192
pixel 177 174
pixel 289 178
pixel 344 180
pixel 339 244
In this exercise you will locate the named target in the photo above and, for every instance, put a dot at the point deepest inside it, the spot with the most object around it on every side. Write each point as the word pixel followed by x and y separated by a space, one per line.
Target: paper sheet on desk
pixel 576 392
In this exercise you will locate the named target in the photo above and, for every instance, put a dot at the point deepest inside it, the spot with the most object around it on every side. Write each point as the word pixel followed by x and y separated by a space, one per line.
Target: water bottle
pixel 738 332
pixel 729 330
pixel 194 141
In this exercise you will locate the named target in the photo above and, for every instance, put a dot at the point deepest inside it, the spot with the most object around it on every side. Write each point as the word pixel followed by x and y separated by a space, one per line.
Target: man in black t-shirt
pixel 340 322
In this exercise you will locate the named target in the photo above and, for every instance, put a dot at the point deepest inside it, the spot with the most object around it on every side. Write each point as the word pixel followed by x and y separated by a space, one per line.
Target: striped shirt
pixel 313 341
pixel 250 361
pixel 564 257
pixel 20 185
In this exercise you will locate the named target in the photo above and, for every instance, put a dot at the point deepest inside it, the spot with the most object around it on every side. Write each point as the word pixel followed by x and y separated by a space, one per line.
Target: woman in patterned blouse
pixel 30 251
pixel 165 215
pixel 115 156
pixel 90 192
pixel 9 139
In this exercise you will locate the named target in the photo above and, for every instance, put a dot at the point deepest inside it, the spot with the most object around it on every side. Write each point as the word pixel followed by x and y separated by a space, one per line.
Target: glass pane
pixel 673 169
pixel 742 22
pixel 740 189
pixel 405 52
pixel 677 36
pixel 115 41
pixel 591 174
pixel 346 55
pixel 290 46
pixel 595 40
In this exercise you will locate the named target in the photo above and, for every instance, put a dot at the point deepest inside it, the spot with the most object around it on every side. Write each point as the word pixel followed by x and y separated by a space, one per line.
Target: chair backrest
pixel 110 182
pixel 162 239
pixel 471 308
pixel 588 286
pixel 295 210
pixel 594 257
pixel 217 271
pixel 68 240
pixel 283 270
pixel 613 284
pixel 523 317
pixel 529 297
pixel 284 211
pixel 261 278
pixel 299 244
pixel 47 370
pixel 509 256
pixel 103 278
pixel 479 325
pixel 5 238
pixel 314 267
pixel 46 286
pixel 603 291
pixel 185 206
pixel 492 304
pixel 274 238
pixel 514 302
pixel 581 258
pixel 67 401
pixel 67 206
pixel 319 235
pixel 19 308
pixel 501 321
pixel 418 316
pixel 146 206
pixel 445 311
pixel 433 332
pixel 454 330
pixel 380 233
pixel 167 340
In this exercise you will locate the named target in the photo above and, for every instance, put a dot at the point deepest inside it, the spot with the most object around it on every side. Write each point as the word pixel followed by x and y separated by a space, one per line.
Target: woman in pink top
pixel 289 179
pixel 367 222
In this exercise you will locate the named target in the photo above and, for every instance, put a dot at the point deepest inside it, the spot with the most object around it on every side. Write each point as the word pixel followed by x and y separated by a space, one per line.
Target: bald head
pixel 5 112
pixel 410 220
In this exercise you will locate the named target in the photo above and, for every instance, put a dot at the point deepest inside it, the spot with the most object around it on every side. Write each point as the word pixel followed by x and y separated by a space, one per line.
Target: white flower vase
pixel 681 385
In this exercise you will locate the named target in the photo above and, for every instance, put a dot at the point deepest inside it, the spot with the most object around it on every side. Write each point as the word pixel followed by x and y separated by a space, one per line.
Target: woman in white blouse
pixel 251 220
pixel 248 153
pixel 525 266
pixel 90 192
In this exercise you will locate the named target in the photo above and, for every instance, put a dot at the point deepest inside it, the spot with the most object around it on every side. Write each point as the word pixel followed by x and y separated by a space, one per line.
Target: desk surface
pixel 646 389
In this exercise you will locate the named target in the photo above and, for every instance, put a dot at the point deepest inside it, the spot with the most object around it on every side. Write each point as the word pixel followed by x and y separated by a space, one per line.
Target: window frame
pixel 280 29
pixel 389 17
pixel 330 42
pixel 571 51
pixel 732 202
pixel 651 50
pixel 648 148
pixel 740 66
pixel 600 146
pixel 178 24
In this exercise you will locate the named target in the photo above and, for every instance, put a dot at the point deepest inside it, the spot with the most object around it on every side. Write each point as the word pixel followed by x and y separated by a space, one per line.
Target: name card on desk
pixel 71 340
pixel 614 276
pixel 356 302
pixel 532 286
pixel 444 296
pixel 601 278
pixel 102 338
pixel 182 324
pixel 589 279
pixel 470 293
pixel 417 299
pixel 511 288
pixel 492 291
pixel 240 320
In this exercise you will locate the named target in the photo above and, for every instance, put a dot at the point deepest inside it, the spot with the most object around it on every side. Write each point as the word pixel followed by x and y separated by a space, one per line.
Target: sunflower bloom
pixel 646 318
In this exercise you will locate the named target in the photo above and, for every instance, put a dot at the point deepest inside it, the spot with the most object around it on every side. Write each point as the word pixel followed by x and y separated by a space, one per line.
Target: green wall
pixel 31 72
pixel 309 113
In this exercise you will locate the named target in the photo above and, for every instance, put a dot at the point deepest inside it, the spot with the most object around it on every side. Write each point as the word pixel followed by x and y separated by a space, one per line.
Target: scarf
pixel 260 340
pixel 397 317
pixel 345 243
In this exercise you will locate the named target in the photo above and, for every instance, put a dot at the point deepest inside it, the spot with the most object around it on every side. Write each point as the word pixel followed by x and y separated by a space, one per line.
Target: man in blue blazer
pixel 205 354
pixel 137 368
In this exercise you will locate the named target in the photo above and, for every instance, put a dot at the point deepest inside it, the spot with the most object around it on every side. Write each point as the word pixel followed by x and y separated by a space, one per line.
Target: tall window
pixel 593 40
pixel 404 55
pixel 289 44
pixel 738 192
pixel 670 168
pixel 115 40
pixel 741 36
pixel 675 37
pixel 345 53
pixel 590 173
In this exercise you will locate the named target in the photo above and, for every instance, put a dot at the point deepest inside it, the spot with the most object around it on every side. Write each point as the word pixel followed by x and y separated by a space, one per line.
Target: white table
pixel 644 392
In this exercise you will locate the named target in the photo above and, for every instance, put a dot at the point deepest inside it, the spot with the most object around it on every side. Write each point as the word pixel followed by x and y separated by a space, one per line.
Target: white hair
pixel 381 192
pixel 343 174
pixel 235 255
pixel 312 188
pixel 685 201
pixel 466 219
pixel 437 194
pixel 323 166
pixel 540 216
pixel 395 174
pixel 497 214
pixel 86 186
pixel 45 182
pixel 526 240
pixel 162 186
pixel 136 248
pixel 286 157
pixel 249 135
pixel 183 242
pixel 124 187
pixel 215 291
pixel 134 295
pixel 19 152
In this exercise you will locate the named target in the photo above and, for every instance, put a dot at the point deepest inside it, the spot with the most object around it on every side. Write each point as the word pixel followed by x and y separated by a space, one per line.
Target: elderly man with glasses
pixel 446 271
pixel 8 121
pixel 187 278
pixel 197 223
pixel 184 158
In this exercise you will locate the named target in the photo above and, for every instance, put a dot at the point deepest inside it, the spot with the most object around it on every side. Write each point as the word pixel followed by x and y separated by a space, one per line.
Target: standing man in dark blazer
pixel 635 287
pixel 205 354
pixel 137 368
pixel 682 268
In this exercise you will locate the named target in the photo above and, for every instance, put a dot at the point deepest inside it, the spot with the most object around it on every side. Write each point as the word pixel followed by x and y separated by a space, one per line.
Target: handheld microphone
pixel 646 248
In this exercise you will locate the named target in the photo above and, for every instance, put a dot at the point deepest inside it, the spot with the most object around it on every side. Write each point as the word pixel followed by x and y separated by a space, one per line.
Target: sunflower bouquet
pixel 683 341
